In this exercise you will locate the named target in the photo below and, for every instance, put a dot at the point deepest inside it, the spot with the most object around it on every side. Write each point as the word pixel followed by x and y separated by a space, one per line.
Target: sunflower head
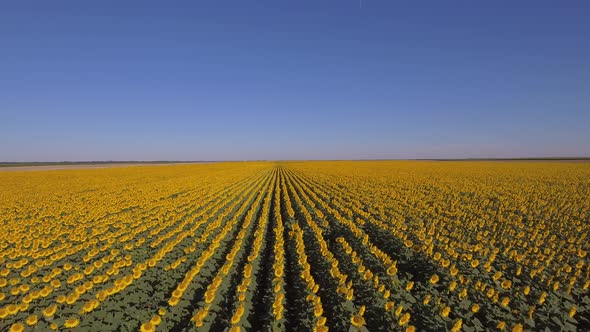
pixel 357 321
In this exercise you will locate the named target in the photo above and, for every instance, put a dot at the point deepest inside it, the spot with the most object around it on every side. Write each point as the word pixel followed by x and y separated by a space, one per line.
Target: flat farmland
pixel 297 246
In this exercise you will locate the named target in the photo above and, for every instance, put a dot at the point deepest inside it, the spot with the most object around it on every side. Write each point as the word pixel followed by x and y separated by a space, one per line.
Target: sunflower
pixel 386 294
pixel 542 298
pixel 173 301
pixel 238 314
pixel 505 301
pixel 399 310
pixel 156 320
pixel 357 321
pixel 452 286
pixel 389 305
pixel 572 312
pixel 349 294
pixel 318 310
pixel 392 270
pixel 445 312
pixel 404 319
pixel 147 327
pixel 497 276
pixel 457 326
pixel 434 279
pixel 50 311
pixel 517 328
pixel 32 320
pixel 17 327
pixel 71 322
pixel 526 290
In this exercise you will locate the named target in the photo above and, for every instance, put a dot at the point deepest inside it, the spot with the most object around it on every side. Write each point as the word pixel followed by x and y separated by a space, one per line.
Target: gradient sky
pixel 233 80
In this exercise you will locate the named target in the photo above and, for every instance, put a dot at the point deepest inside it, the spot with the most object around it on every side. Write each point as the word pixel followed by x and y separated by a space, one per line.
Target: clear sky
pixel 247 79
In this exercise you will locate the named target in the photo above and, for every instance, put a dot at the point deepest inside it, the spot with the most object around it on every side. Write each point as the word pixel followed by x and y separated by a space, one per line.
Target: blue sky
pixel 233 80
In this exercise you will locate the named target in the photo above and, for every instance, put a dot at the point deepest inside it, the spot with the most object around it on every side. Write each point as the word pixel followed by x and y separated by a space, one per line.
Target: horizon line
pixel 12 163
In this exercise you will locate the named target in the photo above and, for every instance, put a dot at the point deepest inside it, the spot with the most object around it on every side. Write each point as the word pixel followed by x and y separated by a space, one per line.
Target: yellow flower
pixel 389 305
pixel 490 292
pixel 505 301
pixel 71 322
pixel 526 290
pixel 434 279
pixel 411 328
pixel 50 311
pixel 156 320
pixel 386 294
pixel 392 270
pixel 173 301
pixel 542 298
pixel 17 327
pixel 497 276
pixel 238 314
pixel 404 319
pixel 318 310
pixel 409 286
pixel 572 312
pixel 200 316
pixel 517 328
pixel 506 284
pixel 399 310
pixel 320 328
pixel 475 308
pixel 32 320
pixel 162 311
pixel 357 321
pixel 53 326
pixel 147 327
pixel 452 286
pixel 349 294
pixel 501 326
pixel 446 311
pixel 457 326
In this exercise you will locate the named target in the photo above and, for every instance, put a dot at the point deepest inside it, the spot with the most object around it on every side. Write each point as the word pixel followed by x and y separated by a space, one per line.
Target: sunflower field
pixel 297 246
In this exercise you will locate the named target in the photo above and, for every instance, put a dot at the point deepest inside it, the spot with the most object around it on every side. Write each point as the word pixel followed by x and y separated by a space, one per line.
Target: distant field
pixel 20 167
pixel 297 246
